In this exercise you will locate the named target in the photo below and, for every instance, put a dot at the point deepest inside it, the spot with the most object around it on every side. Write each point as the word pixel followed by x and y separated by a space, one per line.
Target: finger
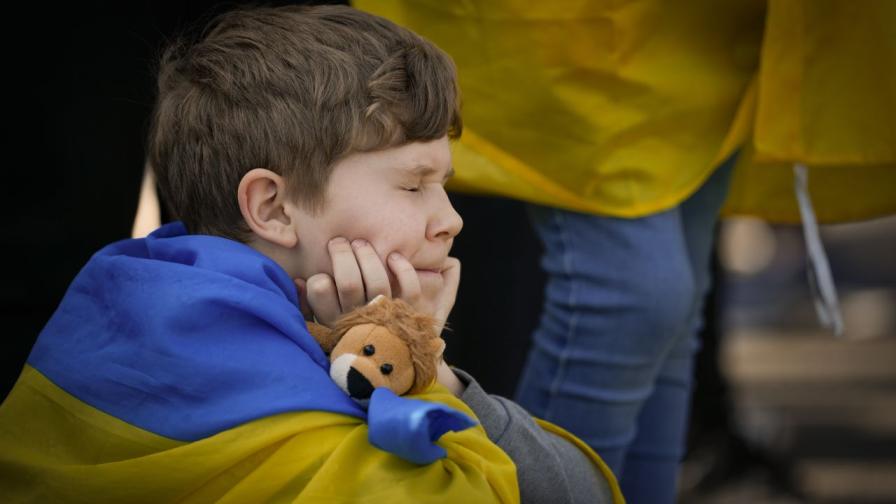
pixel 373 273
pixel 346 274
pixel 323 298
pixel 407 279
pixel 304 307
pixel 451 279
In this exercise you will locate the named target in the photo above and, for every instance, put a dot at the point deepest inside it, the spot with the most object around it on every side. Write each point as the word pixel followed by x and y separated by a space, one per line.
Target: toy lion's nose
pixel 358 386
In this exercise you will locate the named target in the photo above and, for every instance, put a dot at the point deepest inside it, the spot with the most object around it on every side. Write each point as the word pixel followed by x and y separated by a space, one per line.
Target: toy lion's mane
pixel 414 328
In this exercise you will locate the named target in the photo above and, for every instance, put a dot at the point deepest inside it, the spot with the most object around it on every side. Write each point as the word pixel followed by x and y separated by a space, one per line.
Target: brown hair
pixel 294 90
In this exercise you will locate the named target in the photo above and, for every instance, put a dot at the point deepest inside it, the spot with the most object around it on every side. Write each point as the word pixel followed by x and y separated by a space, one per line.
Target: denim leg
pixel 618 293
pixel 612 358
pixel 651 466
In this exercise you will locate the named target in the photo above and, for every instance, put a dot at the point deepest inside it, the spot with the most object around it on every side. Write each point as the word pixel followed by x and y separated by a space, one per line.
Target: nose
pixel 446 223
pixel 359 387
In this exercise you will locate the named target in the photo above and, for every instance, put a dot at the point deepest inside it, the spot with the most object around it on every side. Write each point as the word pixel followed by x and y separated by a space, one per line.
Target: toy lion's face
pixel 386 343
pixel 370 356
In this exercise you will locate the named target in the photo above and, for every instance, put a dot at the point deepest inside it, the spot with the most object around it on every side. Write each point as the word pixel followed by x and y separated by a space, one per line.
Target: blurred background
pixel 784 411
pixel 812 417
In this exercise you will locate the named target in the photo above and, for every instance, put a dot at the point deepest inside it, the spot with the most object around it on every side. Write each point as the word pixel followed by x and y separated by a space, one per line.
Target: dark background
pixel 79 83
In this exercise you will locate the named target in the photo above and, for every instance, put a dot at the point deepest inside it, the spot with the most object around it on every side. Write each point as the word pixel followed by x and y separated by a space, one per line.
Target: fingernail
pixel 358 243
pixel 338 241
pixel 394 256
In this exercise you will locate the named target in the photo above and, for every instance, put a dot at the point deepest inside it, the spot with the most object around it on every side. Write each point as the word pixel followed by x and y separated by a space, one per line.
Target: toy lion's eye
pixel 369 350
pixel 386 368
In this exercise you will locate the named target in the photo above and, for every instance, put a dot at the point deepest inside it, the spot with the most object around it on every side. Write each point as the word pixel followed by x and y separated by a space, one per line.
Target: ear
pixel 263 203
pixel 324 335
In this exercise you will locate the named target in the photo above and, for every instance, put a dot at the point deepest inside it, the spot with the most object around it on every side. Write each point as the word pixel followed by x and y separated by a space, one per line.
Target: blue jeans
pixel 612 357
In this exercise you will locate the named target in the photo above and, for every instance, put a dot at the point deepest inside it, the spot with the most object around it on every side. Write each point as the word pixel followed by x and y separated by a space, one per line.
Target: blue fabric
pixel 429 421
pixel 186 336
pixel 612 357
pixel 189 335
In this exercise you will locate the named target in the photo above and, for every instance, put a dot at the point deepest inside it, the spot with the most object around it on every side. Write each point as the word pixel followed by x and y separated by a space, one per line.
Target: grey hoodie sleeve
pixel 549 468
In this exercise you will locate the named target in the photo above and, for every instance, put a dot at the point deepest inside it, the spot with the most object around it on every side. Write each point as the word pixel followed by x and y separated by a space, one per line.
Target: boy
pixel 305 145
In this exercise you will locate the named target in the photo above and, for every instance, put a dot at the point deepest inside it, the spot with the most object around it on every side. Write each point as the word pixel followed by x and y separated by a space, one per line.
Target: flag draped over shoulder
pixel 178 367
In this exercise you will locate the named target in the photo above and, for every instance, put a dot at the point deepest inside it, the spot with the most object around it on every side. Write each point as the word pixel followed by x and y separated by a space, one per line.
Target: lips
pixel 430 273
pixel 431 267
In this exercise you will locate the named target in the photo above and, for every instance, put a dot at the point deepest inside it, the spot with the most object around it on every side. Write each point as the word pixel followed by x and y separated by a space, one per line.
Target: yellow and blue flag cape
pixel 179 368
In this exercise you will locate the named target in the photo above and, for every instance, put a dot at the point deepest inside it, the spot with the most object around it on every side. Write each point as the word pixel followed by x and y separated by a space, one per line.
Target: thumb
pixel 451 277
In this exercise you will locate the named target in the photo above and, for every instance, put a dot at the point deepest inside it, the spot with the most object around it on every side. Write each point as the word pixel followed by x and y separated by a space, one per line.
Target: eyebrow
pixel 426 170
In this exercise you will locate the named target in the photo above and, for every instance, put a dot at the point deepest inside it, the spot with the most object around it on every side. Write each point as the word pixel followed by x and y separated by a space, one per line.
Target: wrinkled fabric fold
pixel 188 336
pixel 427 421
pixel 55 448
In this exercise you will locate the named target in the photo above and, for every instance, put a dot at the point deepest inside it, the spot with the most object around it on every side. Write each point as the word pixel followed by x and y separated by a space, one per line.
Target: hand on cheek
pixel 439 307
pixel 448 295
pixel 438 304
pixel 407 282
pixel 359 276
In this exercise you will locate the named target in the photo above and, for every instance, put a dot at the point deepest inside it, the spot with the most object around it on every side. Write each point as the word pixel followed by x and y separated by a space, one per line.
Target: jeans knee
pixel 633 277
pixel 664 304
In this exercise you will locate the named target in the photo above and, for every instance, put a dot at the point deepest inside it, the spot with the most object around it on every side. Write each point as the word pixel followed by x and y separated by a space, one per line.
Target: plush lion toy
pixel 383 344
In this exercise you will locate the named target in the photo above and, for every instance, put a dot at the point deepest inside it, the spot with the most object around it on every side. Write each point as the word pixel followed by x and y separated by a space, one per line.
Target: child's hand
pixel 359 276
pixel 438 304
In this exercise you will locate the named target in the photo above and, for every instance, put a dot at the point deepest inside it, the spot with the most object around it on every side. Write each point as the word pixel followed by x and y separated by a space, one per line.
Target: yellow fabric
pixel 625 108
pixel 54 448
pixel 604 468
pixel 827 88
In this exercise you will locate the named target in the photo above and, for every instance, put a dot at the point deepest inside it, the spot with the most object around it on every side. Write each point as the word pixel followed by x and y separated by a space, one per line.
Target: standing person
pixel 621 123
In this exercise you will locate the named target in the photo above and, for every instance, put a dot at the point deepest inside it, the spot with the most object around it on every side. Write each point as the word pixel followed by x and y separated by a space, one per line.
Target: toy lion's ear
pixel 324 335
pixel 426 356
pixel 437 347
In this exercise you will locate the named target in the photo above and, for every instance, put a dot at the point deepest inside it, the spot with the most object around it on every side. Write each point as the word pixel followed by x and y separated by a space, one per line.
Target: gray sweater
pixel 549 468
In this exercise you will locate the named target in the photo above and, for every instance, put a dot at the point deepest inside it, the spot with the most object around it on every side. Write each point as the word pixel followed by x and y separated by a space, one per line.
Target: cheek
pixel 320 260
pixel 389 232
pixel 397 227
pixel 402 382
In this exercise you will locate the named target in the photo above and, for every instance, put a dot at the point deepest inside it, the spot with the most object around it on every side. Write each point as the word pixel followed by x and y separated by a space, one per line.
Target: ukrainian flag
pixel 178 368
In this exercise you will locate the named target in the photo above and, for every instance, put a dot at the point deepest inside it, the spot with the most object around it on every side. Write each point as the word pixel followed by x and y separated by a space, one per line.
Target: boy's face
pixel 394 199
